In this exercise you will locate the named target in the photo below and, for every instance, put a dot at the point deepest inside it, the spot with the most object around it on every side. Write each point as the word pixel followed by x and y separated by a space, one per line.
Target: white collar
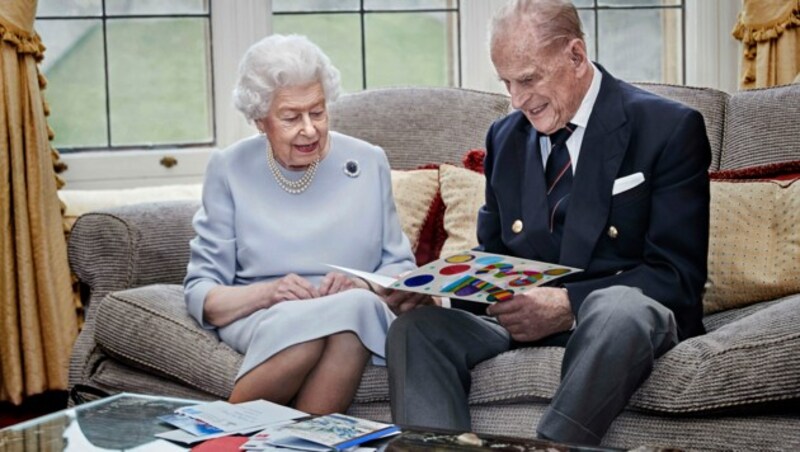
pixel 581 118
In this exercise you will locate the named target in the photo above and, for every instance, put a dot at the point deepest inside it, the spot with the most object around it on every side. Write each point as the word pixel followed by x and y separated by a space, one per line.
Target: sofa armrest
pixel 149 328
pixel 131 246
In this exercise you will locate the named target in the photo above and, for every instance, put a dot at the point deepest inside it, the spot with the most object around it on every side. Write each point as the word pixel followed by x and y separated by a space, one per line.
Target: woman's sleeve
pixel 213 250
pixel 397 256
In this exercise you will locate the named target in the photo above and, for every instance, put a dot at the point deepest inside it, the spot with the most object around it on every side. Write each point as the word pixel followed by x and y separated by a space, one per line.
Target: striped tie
pixel 558 176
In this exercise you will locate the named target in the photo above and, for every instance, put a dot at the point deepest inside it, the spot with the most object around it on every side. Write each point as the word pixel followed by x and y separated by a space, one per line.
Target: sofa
pixel 735 388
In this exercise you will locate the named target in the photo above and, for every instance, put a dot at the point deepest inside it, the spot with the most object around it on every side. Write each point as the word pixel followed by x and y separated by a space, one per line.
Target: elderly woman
pixel 277 208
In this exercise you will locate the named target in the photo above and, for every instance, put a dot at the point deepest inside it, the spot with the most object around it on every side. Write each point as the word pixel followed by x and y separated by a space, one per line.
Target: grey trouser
pixel 620 333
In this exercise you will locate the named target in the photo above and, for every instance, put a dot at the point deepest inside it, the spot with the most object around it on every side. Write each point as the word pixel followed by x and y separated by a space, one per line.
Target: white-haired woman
pixel 278 207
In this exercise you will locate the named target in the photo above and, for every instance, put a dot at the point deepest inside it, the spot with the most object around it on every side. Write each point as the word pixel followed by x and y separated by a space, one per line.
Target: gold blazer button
pixel 516 226
pixel 612 232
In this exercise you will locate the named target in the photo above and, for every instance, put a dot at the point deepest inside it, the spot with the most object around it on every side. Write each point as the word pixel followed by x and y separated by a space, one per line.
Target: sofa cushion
pixel 754 242
pixel 416 125
pixel 463 195
pixel 761 127
pixel 711 103
pixel 112 376
pixel 747 362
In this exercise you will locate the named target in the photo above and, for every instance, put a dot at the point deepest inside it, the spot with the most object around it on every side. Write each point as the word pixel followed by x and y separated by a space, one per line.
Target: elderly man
pixel 589 172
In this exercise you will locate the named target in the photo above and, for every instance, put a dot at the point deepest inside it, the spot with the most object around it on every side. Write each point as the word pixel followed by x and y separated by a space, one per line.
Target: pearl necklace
pixel 294 187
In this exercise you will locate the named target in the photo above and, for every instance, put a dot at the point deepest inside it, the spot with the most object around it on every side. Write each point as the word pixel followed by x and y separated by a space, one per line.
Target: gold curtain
pixel 770 34
pixel 38 322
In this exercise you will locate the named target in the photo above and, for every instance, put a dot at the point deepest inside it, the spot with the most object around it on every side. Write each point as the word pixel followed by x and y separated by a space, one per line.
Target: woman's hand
pixel 292 287
pixel 335 282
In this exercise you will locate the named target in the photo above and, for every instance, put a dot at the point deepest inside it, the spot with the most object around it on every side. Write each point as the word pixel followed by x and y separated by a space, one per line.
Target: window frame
pixel 240 23
pixel 711 63
pixel 363 13
pixel 104 18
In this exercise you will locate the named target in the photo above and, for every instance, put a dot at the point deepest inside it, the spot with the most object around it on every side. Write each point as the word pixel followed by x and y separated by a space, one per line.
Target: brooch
pixel 351 168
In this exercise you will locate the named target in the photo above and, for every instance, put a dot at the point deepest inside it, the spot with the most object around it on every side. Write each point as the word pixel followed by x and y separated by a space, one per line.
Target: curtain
pixel 38 322
pixel 770 34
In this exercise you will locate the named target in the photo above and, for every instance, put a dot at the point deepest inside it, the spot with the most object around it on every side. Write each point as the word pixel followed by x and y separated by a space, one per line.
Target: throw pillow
pixel 432 234
pixel 754 241
pixel 463 195
pixel 473 159
pixel 414 192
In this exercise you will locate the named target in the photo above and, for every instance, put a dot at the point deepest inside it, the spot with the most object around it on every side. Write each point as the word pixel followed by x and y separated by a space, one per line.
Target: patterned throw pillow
pixel 754 238
pixel 414 194
pixel 463 195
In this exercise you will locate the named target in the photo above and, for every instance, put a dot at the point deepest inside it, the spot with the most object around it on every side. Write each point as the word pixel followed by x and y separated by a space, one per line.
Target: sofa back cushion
pixel 709 102
pixel 761 127
pixel 417 126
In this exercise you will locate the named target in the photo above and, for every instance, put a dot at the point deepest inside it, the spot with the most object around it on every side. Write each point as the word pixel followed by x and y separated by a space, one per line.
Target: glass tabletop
pixel 124 421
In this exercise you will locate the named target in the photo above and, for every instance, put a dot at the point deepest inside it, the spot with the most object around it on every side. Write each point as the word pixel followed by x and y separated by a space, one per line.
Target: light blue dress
pixel 250 230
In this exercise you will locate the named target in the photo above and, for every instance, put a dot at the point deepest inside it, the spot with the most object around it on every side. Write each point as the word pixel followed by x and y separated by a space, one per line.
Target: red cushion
pixel 432 235
pixel 473 160
pixel 786 171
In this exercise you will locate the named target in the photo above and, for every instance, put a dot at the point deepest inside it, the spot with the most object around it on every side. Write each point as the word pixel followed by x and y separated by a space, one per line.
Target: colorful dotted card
pixel 479 276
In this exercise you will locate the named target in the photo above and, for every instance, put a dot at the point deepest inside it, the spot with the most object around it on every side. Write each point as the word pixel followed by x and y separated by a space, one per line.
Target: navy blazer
pixel 660 242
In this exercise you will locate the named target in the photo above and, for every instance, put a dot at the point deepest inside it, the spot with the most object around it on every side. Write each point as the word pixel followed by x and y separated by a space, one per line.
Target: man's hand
pixel 534 314
pixel 335 282
pixel 400 301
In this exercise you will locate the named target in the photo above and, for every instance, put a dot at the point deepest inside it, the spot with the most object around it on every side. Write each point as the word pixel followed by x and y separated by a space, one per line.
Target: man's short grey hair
pixel 279 61
pixel 552 20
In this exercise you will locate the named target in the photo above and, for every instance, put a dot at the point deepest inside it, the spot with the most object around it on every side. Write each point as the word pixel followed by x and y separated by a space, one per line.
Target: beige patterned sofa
pixel 736 388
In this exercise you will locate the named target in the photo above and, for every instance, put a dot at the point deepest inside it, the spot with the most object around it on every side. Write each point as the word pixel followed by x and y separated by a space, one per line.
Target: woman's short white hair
pixel 279 61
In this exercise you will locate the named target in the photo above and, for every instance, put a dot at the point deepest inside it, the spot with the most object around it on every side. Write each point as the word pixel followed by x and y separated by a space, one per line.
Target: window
pixel 378 43
pixel 128 73
pixel 636 40
pixel 119 83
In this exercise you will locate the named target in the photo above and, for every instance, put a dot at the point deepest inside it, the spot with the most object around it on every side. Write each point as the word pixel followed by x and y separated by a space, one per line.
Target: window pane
pixel 73 65
pixel 338 35
pixel 582 3
pixel 638 2
pixel 68 8
pixel 129 7
pixel 314 5
pixel 158 81
pixel 587 20
pixel 411 49
pixel 409 4
pixel 641 45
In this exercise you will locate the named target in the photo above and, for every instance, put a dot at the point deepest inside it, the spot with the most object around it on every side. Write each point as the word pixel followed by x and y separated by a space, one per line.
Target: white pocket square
pixel 626 183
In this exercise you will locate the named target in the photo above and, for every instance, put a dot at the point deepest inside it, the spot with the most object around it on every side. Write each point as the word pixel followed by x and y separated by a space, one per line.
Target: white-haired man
pixel 589 172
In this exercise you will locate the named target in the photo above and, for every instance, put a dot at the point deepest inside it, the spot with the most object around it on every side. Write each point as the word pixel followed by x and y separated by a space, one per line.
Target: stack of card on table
pixel 215 419
pixel 333 432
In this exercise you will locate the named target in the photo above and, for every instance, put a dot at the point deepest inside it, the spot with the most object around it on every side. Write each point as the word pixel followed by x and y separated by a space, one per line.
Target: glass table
pixel 124 421
pixel 129 422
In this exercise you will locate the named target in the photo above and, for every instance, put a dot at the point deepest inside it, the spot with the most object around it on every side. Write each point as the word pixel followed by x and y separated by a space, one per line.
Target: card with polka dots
pixel 479 276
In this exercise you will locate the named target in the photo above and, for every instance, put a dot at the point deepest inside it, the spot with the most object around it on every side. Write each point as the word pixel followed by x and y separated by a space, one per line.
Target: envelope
pixel 625 183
